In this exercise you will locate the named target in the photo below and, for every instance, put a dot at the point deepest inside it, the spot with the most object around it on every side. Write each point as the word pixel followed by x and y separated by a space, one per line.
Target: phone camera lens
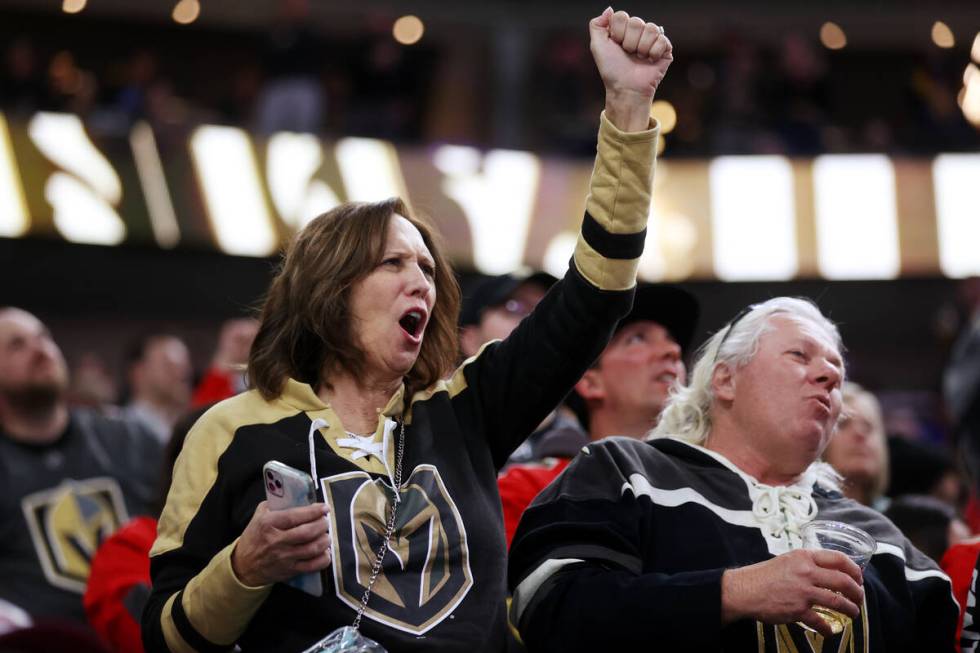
pixel 278 484
pixel 268 475
pixel 272 487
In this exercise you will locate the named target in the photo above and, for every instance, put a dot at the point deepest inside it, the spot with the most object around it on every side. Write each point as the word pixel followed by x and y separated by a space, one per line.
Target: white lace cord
pixel 314 427
pixel 364 445
pixel 784 510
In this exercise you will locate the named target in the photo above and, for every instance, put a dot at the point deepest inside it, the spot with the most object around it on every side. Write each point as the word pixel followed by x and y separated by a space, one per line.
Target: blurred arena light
pixel 955 178
pixel 664 113
pixel 969 98
pixel 73 6
pixel 14 219
pixel 975 50
pixel 230 182
pixel 762 187
pixel 942 35
pixel 85 188
pixel 496 191
pixel 832 36
pixel 408 30
pixel 186 11
pixel 854 199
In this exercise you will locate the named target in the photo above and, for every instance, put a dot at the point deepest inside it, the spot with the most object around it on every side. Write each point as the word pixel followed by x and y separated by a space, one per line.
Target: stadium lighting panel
pixel 14 219
pixel 291 162
pixel 231 187
pixel 753 218
pixel 857 223
pixel 956 178
pixel 497 195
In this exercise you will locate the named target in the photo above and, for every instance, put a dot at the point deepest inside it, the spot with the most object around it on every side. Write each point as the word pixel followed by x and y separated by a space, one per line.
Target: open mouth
pixel 412 322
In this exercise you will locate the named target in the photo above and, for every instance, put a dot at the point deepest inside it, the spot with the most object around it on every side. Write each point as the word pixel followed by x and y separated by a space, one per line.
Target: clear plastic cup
pixel 853 542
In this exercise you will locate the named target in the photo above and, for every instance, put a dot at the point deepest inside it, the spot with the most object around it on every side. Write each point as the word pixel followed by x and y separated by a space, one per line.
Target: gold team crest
pixel 426 571
pixel 68 523
pixel 792 638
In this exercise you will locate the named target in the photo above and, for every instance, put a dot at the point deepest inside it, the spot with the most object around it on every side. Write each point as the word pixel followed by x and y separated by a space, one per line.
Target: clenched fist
pixel 632 57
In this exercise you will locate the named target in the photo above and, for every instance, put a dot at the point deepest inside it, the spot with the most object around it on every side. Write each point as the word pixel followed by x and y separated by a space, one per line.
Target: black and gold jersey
pixel 629 545
pixel 59 501
pixel 442 584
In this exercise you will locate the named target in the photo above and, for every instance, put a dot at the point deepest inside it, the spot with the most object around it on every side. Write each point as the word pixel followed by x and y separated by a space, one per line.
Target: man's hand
pixel 785 589
pixel 632 57
pixel 278 544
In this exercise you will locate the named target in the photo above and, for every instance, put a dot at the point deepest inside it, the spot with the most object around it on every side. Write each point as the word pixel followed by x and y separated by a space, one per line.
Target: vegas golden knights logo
pixel 792 638
pixel 426 571
pixel 67 525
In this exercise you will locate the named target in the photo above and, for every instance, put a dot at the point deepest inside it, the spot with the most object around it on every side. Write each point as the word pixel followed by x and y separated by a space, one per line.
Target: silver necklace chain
pixel 389 529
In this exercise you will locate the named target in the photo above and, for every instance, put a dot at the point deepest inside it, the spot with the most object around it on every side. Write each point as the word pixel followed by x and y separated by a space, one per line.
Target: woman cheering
pixel 352 382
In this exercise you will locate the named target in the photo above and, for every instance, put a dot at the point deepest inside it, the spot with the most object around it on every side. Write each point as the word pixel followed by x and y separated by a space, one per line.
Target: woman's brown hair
pixel 306 321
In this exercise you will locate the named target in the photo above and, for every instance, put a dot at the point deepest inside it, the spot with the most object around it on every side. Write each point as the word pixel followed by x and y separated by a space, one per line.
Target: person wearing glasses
pixel 693 539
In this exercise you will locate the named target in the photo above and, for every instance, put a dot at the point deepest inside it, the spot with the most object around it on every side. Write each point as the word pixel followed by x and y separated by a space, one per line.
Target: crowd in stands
pixel 788 95
pixel 127 442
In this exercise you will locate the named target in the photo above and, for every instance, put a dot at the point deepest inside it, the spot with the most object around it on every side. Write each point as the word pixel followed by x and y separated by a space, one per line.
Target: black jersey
pixel 58 501
pixel 629 545
pixel 442 586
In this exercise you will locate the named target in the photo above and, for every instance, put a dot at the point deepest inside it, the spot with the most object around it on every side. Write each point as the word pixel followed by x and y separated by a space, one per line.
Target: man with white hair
pixel 691 540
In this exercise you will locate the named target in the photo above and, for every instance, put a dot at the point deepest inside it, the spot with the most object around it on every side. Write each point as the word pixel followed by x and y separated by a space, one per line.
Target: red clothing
pixel 958 562
pixel 119 585
pixel 215 385
pixel 521 483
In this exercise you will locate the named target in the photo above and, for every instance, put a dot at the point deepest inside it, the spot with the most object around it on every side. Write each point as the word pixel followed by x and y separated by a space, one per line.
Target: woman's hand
pixel 632 57
pixel 785 589
pixel 278 544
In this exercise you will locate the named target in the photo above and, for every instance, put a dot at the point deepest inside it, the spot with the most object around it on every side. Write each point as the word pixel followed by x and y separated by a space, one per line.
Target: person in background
pixel 491 310
pixel 119 583
pixel 226 375
pixel 622 393
pixel 68 477
pixel 930 524
pixel 159 376
pixel 692 539
pixel 859 448
pixel 353 380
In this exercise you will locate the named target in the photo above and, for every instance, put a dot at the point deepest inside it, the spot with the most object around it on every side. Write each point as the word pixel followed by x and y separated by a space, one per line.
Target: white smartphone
pixel 287 487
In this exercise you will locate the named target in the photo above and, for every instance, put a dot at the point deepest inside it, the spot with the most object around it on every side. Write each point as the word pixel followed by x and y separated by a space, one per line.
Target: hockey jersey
pixel 629 545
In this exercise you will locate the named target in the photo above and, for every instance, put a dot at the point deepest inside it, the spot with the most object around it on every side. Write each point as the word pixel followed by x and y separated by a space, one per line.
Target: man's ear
pixel 723 382
pixel 590 386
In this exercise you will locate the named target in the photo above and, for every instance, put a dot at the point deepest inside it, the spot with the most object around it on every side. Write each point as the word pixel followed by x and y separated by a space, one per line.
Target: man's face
pixel 497 322
pixel 635 372
pixel 165 372
pixel 787 398
pixel 31 364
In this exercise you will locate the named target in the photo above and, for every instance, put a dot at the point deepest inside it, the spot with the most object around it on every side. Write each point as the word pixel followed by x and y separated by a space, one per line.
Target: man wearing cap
pixel 493 308
pixel 621 394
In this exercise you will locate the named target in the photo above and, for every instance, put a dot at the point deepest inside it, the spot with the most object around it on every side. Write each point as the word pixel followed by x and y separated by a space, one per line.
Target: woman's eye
pixel 391 261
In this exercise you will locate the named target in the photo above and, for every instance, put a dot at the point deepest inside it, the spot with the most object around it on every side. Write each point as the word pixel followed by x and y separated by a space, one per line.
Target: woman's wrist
pixel 628 111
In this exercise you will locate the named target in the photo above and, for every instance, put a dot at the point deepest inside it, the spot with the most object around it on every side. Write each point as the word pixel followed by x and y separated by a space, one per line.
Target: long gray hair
pixel 687 415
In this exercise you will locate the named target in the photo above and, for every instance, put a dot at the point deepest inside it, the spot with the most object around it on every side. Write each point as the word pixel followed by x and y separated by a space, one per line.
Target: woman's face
pixel 392 305
pixel 857 449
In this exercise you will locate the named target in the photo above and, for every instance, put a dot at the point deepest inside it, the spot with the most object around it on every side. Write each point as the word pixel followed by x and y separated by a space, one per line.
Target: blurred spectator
pixel 492 308
pixel 961 380
pixel 159 374
pixel 68 478
pixel 930 524
pixel 21 84
pixel 623 393
pixel 799 97
pixel 92 385
pixel 226 375
pixel 859 450
pixel 119 583
pixel 49 636
pixel 922 468
pixel 292 98
pixel 959 563
pixel 69 89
